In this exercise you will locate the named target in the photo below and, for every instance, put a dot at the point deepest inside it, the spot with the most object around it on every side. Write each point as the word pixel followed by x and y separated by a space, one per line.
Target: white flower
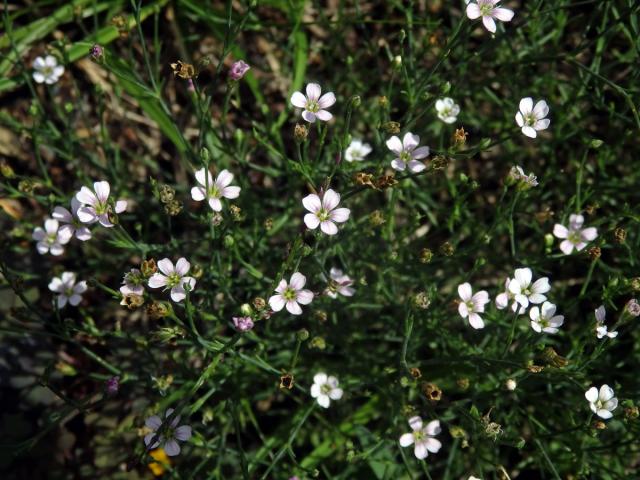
pixel 601 328
pixel 422 437
pixel 314 105
pixel 95 204
pixel 602 403
pixel 51 239
pixel 575 236
pixel 132 283
pixel 71 222
pixel 67 289
pixel 511 384
pixel 506 297
pixel 532 119
pixel 356 151
pixel 544 319
pixel 339 284
pixel 167 434
pixel 447 110
pixel 214 190
pixel 524 292
pixel 471 305
pixel 408 152
pixel 324 212
pixel 290 294
pixel 489 11
pixel 325 388
pixel 47 70
pixel 473 478
pixel 174 278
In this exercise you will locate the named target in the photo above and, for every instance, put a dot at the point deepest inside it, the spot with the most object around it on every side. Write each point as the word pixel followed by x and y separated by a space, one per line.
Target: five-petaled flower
pixel 325 388
pixel 132 283
pixel 95 204
pixel 291 294
pixel 324 212
pixel 503 299
pixel 71 222
pixel 602 402
pixel 67 289
pixel 471 305
pixel 174 278
pixel 51 238
pixel 524 292
pixel 167 434
pixel 313 104
pixel 447 110
pixel 356 151
pixel 408 152
pixel 214 190
pixel 339 283
pixel 490 12
pixel 601 329
pixel 46 70
pixel 543 319
pixel 532 119
pixel 422 437
pixel 574 236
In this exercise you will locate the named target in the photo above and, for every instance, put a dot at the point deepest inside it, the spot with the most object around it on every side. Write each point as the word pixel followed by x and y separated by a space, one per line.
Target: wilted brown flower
pixel 286 381
pixel 183 70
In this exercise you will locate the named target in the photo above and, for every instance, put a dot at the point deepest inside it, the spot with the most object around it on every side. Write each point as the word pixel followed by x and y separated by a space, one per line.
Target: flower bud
pixel 447 249
pixel 633 307
pixel 112 385
pixel 635 284
pixel 463 383
pixel 426 255
pixel 157 310
pixel 391 127
pixel 246 309
pixel 594 253
pixel 510 384
pixel 228 241
pixel 96 52
pixel 302 334
pixel 238 70
pixel 318 342
pixel 5 170
pixel 204 155
pixel 415 372
pixel 620 235
pixel 173 208
pixel 243 324
pixel 421 300
pixel 356 101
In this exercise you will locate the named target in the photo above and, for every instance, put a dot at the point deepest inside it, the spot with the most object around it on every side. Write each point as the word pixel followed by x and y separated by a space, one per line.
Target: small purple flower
pixel 112 385
pixel 238 69
pixel 243 324
pixel 96 51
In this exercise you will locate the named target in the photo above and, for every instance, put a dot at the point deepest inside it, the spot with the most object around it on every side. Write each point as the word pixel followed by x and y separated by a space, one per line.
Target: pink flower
pixel 422 437
pixel 212 190
pixel 70 222
pixel 471 305
pixel 67 289
pixel 166 435
pixel 324 212
pixel 489 11
pixel 95 204
pixel 51 239
pixel 290 294
pixel 313 104
pixel 174 278
pixel 408 152
pixel 575 236
pixel 238 69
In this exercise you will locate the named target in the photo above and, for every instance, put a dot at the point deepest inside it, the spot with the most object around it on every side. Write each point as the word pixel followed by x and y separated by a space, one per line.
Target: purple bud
pixel 238 69
pixel 96 52
pixel 243 324
pixel 112 385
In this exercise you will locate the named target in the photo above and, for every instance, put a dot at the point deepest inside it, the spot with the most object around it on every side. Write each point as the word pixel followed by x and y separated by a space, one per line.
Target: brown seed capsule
pixel 268 224
pixel 591 209
pixel 286 381
pixel 439 162
pixel 599 425
pixel 300 133
pixel 391 127
pixel 365 179
pixel 166 193
pixel 426 255
pixel 173 208
pixel 259 303
pixel 635 284
pixel 386 181
pixel 631 413
pixel 594 253
pixel 460 137
pixel 133 301
pixel 183 70
pixel 463 383
pixel 431 391
pixel 415 372
pixel 157 310
pixel 383 101
pixel 447 249
pixel 620 235
pixel 148 267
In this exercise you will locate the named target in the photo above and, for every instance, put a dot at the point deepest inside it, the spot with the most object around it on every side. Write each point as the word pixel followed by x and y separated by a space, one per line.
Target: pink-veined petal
pixel 330 199
pixel 102 190
pixel 304 297
pixel 420 152
pixel 329 227
pixel 182 266
pixel 473 11
pixel 231 192
pixel 560 231
pixel 203 176
pixel 309 116
pixel 464 291
pixel 166 266
pixel 311 221
pixel 171 448
pixel 420 450
pixel 476 321
pixel 183 433
pixel 340 215
pixel 312 203
pixel 326 100
pixel 489 23
pixel 406 439
pixel 297 281
pixel 198 194
pixel 395 145
pixel 224 178
pixel 157 280
pixel 324 115
pixel 398 164
pixel 567 247
pixel 313 91
pixel 502 14
pixel 519 119
pixel 526 105
pixel 589 234
pixel 215 204
pixel 293 307
pixel 416 166
pixel 277 302
pixel 433 445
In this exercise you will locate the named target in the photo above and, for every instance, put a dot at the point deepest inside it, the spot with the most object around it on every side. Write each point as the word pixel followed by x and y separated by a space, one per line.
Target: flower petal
pixel 395 145
pixel 324 115
pixel 224 178
pixel 340 215
pixel 330 199
pixel 406 439
pixel 591 394
pixel 298 100
pixel 297 281
pixel 489 23
pixel 311 221
pixel 326 100
pixel 328 227
pixel 309 116
pixel 526 105
pixel 182 266
pixel 503 14
pixel 277 302
pixel 464 291
pixel 313 91
pixel 183 433
pixel 304 297
pixel 560 231
pixel 293 307
pixel 171 448
pixel 102 190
